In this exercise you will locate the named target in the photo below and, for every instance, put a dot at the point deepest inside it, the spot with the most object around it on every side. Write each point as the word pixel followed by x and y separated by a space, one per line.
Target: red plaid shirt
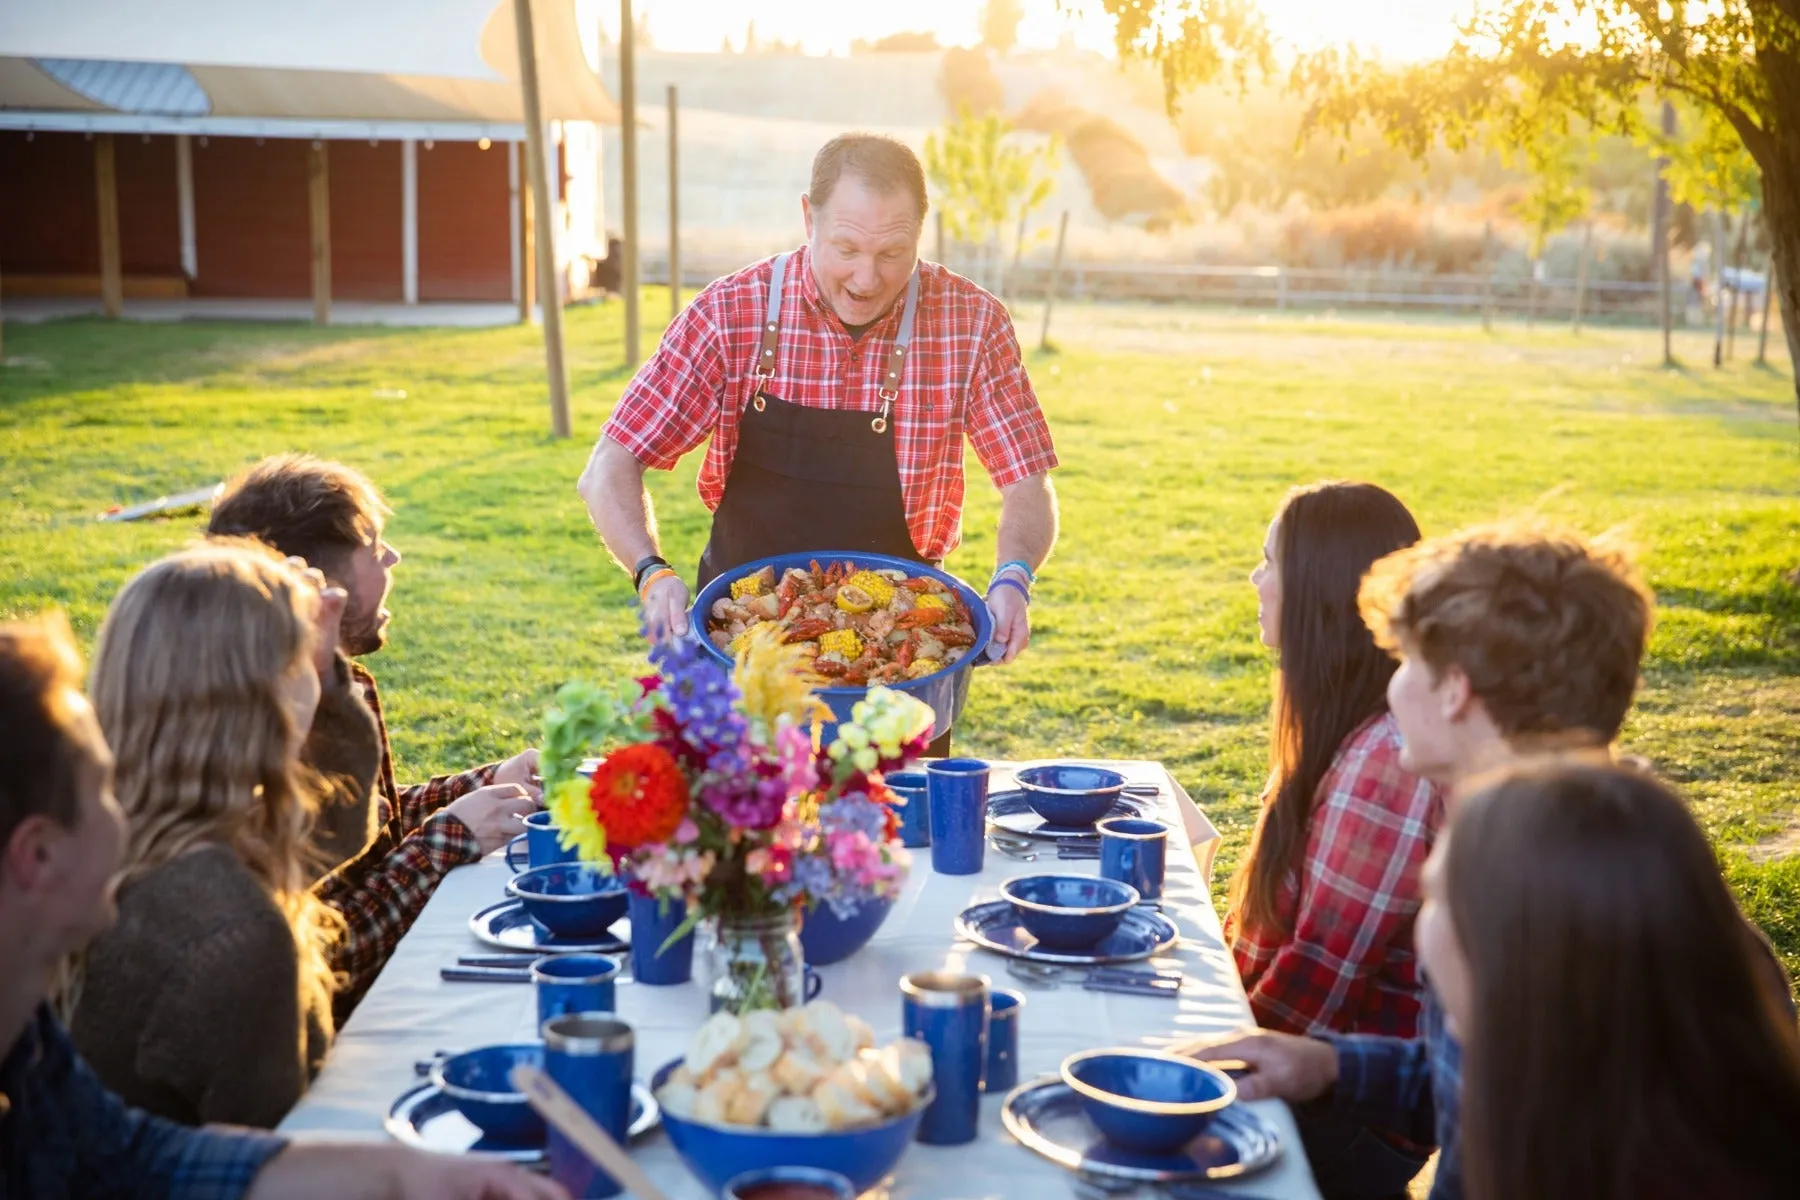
pixel 1348 964
pixel 963 375
pixel 382 891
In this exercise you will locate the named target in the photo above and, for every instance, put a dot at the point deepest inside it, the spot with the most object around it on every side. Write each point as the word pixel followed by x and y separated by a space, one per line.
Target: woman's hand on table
pixel 1282 1066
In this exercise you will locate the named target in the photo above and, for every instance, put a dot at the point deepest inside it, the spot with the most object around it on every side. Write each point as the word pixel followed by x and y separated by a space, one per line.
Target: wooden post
pixel 938 253
pixel 1723 227
pixel 628 265
pixel 1581 276
pixel 1762 336
pixel 1487 277
pixel 318 180
pixel 1062 232
pixel 537 155
pixel 527 244
pixel 1662 231
pixel 674 208
pixel 106 189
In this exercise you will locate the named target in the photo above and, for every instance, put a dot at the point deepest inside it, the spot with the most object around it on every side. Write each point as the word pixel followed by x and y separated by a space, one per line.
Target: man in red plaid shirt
pixel 386 851
pixel 837 385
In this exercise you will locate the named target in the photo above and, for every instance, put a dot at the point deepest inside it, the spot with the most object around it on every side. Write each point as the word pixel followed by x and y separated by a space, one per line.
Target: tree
pixel 1000 24
pixel 1555 161
pixel 984 182
pixel 1515 61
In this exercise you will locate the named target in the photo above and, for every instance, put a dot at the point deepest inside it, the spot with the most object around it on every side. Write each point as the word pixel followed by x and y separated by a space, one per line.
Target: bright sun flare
pixel 1401 29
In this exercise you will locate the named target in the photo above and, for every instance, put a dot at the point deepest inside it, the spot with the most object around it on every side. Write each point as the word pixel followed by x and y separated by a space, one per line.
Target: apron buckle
pixel 880 423
pixel 758 403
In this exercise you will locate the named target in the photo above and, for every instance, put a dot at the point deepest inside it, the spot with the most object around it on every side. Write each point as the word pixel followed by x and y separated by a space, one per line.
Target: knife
pixel 483 975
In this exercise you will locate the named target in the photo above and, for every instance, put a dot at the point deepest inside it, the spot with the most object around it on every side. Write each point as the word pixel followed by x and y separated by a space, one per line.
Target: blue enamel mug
pixel 957 794
pixel 578 983
pixel 539 844
pixel 915 814
pixel 949 1013
pixel 590 1056
pixel 1135 851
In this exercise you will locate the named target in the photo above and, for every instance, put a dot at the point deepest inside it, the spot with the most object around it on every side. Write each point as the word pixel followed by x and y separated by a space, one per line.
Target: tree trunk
pixel 1778 154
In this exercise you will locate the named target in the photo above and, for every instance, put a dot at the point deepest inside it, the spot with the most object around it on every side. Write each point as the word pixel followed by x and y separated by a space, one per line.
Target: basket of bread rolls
pixel 807 1087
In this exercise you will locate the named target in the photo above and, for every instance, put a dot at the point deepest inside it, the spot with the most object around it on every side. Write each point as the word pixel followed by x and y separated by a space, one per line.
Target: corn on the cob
pixel 844 641
pixel 878 589
pixel 932 600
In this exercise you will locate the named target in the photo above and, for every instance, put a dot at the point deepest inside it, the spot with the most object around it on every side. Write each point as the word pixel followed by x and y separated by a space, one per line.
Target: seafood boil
pixel 861 627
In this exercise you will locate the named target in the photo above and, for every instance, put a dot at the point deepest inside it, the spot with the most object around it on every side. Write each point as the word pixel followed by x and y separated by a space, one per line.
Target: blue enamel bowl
pixel 1147 1102
pixel 1070 794
pixel 1069 912
pixel 571 900
pixel 717 1154
pixel 827 938
pixel 945 690
pixel 479 1083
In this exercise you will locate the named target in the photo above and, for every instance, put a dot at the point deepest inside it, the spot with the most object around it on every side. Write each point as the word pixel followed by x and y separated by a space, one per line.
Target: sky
pixel 1399 29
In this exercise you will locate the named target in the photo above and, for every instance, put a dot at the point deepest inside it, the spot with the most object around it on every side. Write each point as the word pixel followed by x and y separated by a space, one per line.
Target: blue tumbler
pixel 949 1013
pixel 915 814
pixel 580 983
pixel 1135 851
pixel 540 844
pixel 1002 1071
pixel 590 1056
pixel 652 921
pixel 957 791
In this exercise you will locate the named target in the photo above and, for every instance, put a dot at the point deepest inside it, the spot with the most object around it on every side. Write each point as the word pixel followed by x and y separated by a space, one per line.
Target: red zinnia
pixel 639 795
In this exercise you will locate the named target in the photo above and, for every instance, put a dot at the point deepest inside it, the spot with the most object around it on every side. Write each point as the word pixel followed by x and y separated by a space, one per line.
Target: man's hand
pixel 362 1172
pixel 522 769
pixel 1281 1065
pixel 494 814
pixel 665 609
pixel 1012 624
pixel 328 622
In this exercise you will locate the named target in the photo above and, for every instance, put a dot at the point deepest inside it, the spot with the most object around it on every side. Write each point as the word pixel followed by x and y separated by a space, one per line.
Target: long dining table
pixel 411 1013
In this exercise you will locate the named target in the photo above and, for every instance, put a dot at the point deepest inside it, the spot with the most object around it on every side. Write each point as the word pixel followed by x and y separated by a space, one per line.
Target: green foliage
pixel 984 181
pixel 1555 160
pixel 1000 24
pixel 1708 165
pixel 1192 41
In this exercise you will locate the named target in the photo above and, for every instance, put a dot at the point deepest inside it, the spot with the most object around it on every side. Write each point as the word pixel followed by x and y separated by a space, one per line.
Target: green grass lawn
pixel 1179 431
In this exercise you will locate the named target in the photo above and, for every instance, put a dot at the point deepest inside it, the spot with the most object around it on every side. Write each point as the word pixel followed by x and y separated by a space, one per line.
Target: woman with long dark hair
pixel 1322 908
pixel 1626 1034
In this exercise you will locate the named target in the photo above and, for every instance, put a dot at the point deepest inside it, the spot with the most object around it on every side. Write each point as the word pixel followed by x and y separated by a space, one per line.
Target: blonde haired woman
pixel 210 999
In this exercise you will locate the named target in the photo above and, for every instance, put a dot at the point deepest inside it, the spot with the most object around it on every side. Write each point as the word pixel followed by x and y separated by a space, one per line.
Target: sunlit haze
pixel 1400 29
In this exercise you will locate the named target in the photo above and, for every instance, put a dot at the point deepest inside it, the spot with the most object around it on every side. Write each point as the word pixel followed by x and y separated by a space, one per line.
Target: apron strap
pixel 896 367
pixel 771 330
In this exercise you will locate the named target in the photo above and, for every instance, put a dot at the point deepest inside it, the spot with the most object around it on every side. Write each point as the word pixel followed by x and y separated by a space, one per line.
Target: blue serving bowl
pixel 827 938
pixel 1069 912
pixel 717 1154
pixel 1070 794
pixel 945 690
pixel 571 900
pixel 479 1083
pixel 1147 1102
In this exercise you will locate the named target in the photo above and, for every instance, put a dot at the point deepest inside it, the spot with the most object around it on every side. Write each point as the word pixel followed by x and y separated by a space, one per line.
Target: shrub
pixel 968 82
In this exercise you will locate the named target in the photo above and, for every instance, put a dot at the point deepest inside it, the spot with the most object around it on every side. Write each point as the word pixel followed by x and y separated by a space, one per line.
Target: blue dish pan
pixel 1046 1116
pixel 946 690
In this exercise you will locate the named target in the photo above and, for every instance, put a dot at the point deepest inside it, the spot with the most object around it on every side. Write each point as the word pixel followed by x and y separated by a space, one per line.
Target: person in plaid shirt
pixel 63 1135
pixel 837 385
pixel 1322 909
pixel 1511 640
pixel 388 850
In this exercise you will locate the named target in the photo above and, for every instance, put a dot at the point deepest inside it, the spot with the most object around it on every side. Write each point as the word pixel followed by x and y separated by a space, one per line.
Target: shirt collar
pixel 22 1057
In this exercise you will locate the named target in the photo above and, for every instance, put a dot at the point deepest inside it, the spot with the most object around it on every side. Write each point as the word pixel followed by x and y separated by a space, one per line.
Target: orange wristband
pixel 659 573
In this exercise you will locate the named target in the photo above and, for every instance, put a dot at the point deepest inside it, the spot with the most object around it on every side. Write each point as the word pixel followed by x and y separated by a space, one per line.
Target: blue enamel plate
pixel 995 926
pixel 426 1119
pixel 1008 810
pixel 1047 1117
pixel 507 926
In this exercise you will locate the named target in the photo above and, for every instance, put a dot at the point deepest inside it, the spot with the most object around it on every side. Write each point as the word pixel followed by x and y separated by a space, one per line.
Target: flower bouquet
pixel 711 793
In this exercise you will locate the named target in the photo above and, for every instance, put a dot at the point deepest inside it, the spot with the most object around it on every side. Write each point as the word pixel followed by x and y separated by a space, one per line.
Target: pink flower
pixel 686 832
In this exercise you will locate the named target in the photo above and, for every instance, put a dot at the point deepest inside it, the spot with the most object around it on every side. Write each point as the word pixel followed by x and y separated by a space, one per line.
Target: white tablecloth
pixel 411 1013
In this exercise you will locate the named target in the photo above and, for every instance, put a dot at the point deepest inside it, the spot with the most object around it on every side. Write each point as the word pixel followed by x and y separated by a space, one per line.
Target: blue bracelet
pixel 1011 583
pixel 1030 575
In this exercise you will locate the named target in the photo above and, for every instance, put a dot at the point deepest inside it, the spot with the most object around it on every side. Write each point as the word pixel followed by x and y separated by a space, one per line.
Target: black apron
pixel 808 479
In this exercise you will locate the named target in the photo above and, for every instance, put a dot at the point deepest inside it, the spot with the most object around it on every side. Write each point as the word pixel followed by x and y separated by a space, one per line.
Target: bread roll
pixel 713 1105
pixel 912 1060
pixel 861 1031
pixel 798 1072
pixel 716 1044
pixel 796 1114
pixel 751 1101
pixel 678 1099
pixel 842 1109
pixel 763 1043
pixel 829 1033
pixel 881 1073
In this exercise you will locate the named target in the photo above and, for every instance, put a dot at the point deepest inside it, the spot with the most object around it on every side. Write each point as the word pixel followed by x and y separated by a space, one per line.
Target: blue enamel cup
pixel 576 983
pixel 1136 852
pixel 957 792
pixel 1002 1071
pixel 949 1013
pixel 590 1056
pixel 915 814
pixel 539 844
pixel 652 923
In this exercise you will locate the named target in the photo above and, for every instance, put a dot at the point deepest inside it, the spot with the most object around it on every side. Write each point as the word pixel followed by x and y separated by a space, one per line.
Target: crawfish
pixel 805 631
pixel 830 668
pixel 919 584
pixel 954 637
pixel 919 618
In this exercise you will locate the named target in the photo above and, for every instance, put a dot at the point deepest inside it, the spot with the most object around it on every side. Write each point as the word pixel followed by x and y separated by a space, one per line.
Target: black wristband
pixel 644 565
